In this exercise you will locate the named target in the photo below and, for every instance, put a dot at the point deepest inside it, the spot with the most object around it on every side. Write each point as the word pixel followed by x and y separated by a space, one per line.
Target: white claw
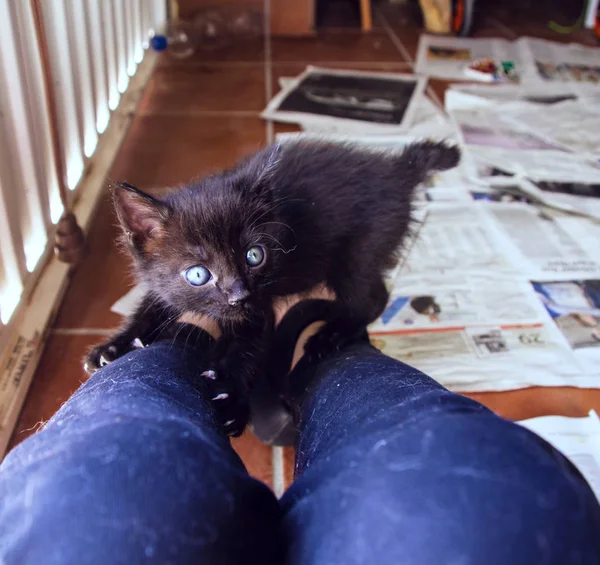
pixel 103 361
pixel 228 423
pixel 137 343
pixel 221 396
pixel 210 375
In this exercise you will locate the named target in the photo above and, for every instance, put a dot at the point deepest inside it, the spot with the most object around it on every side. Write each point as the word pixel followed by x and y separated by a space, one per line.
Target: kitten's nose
pixel 236 293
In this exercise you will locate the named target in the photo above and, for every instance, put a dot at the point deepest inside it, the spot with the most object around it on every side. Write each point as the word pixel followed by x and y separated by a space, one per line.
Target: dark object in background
pixel 576 188
pixel 463 13
pixel 351 97
pixel 338 13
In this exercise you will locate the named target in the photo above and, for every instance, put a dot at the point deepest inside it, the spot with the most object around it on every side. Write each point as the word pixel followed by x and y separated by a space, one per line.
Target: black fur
pixel 325 213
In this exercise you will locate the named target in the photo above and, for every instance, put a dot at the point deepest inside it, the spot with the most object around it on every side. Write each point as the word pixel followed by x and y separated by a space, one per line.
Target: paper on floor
pixel 550 63
pixel 383 102
pixel 127 304
pixel 467 305
pixel 449 57
pixel 576 438
pixel 573 124
pixel 536 61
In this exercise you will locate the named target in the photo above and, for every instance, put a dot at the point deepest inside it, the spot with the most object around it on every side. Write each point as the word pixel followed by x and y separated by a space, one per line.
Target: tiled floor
pixel 201 115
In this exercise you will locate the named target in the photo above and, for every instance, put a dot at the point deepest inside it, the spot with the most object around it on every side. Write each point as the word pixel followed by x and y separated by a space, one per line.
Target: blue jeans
pixel 391 468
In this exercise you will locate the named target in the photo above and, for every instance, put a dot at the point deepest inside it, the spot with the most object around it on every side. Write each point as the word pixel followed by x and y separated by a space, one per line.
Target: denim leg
pixel 134 469
pixel 393 468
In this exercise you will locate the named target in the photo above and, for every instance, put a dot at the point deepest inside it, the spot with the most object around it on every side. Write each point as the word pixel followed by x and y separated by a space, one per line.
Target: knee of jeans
pixel 464 493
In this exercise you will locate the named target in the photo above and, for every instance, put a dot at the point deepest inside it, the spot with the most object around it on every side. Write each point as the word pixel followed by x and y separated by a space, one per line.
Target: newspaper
pixel 539 246
pixel 578 439
pixel 449 57
pixel 539 166
pixel 554 195
pixel 573 124
pixel 379 102
pixel 426 113
pixel 127 304
pixel 536 61
pixel 489 136
pixel 501 93
pixel 550 63
pixel 456 238
pixel 465 307
pixel 427 120
pixel 574 307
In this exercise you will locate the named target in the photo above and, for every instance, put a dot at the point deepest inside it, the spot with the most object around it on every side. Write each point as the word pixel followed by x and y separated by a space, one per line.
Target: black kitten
pixel 285 220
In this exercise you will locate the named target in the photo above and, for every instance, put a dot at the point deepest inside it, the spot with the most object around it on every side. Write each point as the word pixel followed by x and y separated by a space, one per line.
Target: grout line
pixel 433 95
pixel 83 331
pixel 268 66
pixel 270 132
pixel 203 113
pixel 277 460
pixel 510 34
pixel 283 63
pixel 344 63
pixel 395 39
pixel 278 475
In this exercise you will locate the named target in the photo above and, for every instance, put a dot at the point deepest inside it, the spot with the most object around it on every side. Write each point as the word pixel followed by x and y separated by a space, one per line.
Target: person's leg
pixel 393 468
pixel 134 469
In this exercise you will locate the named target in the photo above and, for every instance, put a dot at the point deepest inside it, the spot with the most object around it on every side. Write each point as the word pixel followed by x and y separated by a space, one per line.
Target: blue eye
pixel 255 256
pixel 197 276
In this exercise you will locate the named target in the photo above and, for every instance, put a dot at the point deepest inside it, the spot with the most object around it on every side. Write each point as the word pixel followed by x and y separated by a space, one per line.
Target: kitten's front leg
pixel 152 320
pixel 358 306
pixel 238 359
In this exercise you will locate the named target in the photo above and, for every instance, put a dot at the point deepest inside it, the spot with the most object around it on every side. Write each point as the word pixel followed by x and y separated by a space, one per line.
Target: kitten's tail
pixel 426 157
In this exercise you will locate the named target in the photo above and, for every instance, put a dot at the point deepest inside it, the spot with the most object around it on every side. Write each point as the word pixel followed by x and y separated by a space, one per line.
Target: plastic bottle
pixel 208 30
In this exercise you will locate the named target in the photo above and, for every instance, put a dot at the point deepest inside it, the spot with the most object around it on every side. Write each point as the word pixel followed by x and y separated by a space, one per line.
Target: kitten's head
pixel 205 249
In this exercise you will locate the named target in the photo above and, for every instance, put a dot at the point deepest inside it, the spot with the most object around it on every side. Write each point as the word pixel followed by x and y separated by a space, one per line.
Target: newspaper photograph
pixel 552 62
pixel 576 438
pixel 574 306
pixel 427 120
pixel 450 57
pixel 382 101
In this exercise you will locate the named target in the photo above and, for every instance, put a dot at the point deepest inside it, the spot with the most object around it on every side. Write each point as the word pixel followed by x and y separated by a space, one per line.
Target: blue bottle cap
pixel 159 43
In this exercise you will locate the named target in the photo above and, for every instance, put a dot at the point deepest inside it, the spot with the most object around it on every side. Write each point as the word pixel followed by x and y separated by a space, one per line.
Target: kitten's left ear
pixel 142 216
pixel 264 164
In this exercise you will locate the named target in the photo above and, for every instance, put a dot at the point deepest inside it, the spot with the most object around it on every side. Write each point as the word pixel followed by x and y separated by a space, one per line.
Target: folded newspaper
pixel 576 438
pixel 532 61
pixel 452 57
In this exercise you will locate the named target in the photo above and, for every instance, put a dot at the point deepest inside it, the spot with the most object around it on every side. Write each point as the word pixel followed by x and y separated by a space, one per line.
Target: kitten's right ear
pixel 142 217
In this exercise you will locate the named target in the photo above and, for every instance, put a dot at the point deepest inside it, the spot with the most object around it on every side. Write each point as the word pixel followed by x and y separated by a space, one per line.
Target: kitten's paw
pixel 106 353
pixel 230 401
